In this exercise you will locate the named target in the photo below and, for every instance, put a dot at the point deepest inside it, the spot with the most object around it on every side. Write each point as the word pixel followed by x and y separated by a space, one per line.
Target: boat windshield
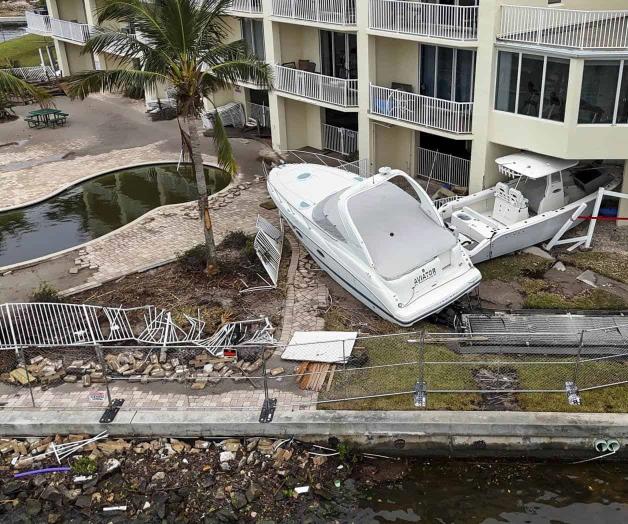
pixel 399 236
pixel 326 215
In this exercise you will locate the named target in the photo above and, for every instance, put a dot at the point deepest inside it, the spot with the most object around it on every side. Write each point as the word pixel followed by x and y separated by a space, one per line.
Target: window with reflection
pixel 447 73
pixel 604 95
pixel 532 85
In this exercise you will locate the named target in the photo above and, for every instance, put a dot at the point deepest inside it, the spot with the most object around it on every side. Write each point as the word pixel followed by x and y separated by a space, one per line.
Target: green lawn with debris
pixel 392 370
pixel 23 51
pixel 611 265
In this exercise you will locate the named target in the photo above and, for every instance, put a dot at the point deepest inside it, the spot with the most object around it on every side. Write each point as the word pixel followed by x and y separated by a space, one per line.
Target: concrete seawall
pixel 431 433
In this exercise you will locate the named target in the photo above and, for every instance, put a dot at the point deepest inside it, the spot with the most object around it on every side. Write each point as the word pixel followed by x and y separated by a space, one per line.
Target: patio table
pixel 45 117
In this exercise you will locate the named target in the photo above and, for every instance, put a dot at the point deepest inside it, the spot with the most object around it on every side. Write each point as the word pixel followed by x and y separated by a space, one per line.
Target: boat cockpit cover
pixel 399 236
pixel 532 165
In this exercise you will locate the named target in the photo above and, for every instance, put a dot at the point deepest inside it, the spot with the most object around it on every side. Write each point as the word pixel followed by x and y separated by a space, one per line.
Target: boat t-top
pixel 541 196
pixel 381 238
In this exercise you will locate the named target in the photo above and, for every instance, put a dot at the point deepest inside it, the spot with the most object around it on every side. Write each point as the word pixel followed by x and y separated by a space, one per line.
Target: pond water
pixel 11 32
pixel 96 207
pixel 492 493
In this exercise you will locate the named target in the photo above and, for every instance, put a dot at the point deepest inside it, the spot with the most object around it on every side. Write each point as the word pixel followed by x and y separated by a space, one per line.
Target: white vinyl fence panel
pixel 33 74
pixel 336 91
pixel 260 113
pixel 340 140
pixel 445 168
pixel 421 110
pixel 424 19
pixel 246 6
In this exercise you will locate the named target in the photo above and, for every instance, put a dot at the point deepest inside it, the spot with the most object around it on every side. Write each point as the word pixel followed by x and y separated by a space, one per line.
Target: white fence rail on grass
pixel 564 27
pixel 421 110
pixel 328 89
pixel 424 19
pixel 341 12
pixel 246 6
pixel 33 74
pixel 340 140
pixel 444 168
pixel 260 113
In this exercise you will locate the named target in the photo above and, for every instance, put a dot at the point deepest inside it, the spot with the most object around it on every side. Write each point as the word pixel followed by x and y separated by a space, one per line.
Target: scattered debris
pixel 320 346
pixel 62 469
pixel 312 376
pixel 537 251
pixel 588 277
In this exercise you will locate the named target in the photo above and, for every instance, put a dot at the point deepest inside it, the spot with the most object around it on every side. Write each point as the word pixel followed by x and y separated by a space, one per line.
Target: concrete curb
pixel 555 435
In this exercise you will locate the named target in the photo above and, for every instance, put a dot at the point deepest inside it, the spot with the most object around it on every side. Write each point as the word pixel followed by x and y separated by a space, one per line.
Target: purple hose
pixel 62 469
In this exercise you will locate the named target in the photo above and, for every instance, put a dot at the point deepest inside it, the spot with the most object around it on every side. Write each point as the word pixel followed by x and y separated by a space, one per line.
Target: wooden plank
pixel 331 377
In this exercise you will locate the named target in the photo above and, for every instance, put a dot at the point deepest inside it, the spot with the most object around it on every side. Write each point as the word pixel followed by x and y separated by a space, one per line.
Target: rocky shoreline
pixel 169 480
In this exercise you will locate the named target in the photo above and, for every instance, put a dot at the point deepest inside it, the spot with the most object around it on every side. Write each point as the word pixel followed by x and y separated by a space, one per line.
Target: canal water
pixel 10 32
pixel 492 493
pixel 96 207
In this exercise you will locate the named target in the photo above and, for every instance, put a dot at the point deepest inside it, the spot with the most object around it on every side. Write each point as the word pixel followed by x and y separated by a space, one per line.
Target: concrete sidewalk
pixel 445 433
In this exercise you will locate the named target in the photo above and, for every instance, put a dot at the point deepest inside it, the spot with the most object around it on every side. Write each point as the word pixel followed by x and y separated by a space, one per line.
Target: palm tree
pixel 180 44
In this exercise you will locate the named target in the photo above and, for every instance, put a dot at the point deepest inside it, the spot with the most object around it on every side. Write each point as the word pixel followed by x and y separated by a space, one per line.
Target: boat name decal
pixel 425 275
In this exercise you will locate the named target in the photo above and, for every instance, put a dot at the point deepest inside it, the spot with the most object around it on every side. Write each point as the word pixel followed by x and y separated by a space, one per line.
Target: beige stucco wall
pixel 394 147
pixel 396 61
pixel 71 11
pixel 303 124
pixel 298 43
pixel 77 61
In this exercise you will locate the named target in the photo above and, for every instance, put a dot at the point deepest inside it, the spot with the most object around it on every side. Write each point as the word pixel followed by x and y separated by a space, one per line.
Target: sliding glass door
pixel 339 54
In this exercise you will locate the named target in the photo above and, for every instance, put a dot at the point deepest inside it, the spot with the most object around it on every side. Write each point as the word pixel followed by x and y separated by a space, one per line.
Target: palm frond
pixel 11 85
pixel 245 69
pixel 224 150
pixel 85 83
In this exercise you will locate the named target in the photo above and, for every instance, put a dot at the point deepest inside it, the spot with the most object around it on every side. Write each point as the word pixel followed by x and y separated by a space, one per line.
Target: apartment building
pixel 438 88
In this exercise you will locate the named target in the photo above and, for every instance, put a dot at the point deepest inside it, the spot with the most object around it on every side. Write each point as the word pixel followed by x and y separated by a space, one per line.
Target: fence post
pixel 270 404
pixel 103 365
pixel 20 353
pixel 114 405
pixel 578 358
pixel 420 394
pixel 571 388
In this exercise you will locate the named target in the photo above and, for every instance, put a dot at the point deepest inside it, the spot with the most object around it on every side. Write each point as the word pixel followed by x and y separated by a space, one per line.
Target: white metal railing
pixel 424 19
pixel 328 89
pixel 260 113
pixel 340 140
pixel 564 27
pixel 39 24
pixel 427 111
pixel 33 74
pixel 246 6
pixel 73 31
pixel 341 12
pixel 445 168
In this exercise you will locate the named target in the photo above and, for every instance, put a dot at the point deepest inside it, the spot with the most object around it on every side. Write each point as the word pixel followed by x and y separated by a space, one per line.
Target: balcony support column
pixel 62 57
pixel 366 72
pixel 623 202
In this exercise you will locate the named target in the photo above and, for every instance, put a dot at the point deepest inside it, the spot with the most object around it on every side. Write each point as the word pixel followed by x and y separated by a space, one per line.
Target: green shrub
pixel 84 466
pixel 235 240
pixel 194 259
pixel 46 293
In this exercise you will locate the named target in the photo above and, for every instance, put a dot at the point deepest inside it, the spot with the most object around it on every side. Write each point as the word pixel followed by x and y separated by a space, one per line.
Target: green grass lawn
pixel 400 371
pixel 23 51
pixel 611 265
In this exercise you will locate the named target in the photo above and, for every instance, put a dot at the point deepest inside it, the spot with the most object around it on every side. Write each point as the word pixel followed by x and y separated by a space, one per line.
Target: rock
pixel 559 266
pixel 251 458
pixel 277 371
pixel 54 518
pixel 158 477
pixel 11 488
pixel 588 277
pixel 87 381
pixel 22 376
pixel 238 500
pixel 202 444
pixel 231 445
pixel 265 446
pixel 73 270
pixel 70 379
pixel 227 456
pixel 110 466
pixel 70 495
pixel 208 368
pixel 538 252
pixel 52 494
pixel 179 446
pixel 111 447
pixel 33 507
pixel 252 444
pixel 199 383
pixel 253 492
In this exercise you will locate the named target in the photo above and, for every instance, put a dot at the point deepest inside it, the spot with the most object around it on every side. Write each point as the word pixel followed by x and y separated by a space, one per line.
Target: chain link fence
pixel 416 370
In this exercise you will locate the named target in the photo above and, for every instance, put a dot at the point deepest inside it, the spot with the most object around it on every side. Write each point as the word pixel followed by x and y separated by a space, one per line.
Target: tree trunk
pixel 201 185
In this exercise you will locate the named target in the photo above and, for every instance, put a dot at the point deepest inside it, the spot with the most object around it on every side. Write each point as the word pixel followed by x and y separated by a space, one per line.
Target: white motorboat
pixel 543 193
pixel 380 238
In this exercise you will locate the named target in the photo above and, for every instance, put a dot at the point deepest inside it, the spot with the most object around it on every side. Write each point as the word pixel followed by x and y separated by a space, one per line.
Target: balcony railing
pixel 38 24
pixel 447 169
pixel 565 28
pixel 260 113
pixel 424 19
pixel 340 12
pixel 421 110
pixel 340 140
pixel 328 89
pixel 253 7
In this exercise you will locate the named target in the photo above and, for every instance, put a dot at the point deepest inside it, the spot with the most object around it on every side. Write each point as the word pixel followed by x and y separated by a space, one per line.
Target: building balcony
pixel 340 140
pixel 424 19
pixel 564 28
pixel 70 31
pixel 448 169
pixel 335 12
pixel 336 92
pixel 246 8
pixel 422 111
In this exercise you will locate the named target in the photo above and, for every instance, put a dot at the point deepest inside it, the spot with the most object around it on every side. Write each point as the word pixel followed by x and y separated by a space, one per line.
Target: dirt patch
pixel 183 289
pixel 498 381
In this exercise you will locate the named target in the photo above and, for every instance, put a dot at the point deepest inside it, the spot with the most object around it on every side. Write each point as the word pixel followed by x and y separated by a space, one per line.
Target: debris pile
pixel 167 479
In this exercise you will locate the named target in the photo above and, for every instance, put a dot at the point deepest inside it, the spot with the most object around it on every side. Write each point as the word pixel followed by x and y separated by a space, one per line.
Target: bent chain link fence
pixel 452 371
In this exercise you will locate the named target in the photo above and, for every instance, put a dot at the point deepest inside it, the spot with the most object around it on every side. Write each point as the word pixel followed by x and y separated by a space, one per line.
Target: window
pixel 447 73
pixel 604 95
pixel 339 54
pixel 532 85
pixel 253 35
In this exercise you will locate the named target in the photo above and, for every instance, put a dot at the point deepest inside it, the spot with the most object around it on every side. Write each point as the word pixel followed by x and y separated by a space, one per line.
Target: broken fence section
pixel 269 248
